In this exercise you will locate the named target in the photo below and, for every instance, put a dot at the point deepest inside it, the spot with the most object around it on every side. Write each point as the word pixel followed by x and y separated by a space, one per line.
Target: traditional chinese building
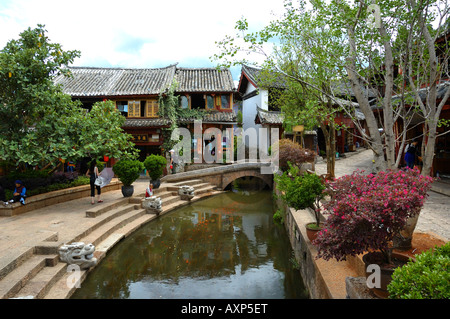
pixel 136 94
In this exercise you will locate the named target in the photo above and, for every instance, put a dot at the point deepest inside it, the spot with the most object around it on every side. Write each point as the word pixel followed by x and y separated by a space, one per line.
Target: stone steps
pixel 19 278
pixel 65 286
pixel 205 189
pixel 14 257
pixel 31 276
pixel 165 194
pixel 99 210
pixel 188 182
pixel 108 228
pixel 39 285
pixel 169 200
pixel 61 290
pixel 113 222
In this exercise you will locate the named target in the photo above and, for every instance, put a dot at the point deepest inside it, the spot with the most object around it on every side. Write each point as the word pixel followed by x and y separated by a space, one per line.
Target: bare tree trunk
pixel 427 158
pixel 330 147
pixel 376 143
pixel 430 110
pixel 388 113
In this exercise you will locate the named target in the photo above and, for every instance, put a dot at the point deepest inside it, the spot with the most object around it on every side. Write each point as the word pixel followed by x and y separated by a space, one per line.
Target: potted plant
pixel 128 171
pixel 366 212
pixel 427 277
pixel 155 164
pixel 302 191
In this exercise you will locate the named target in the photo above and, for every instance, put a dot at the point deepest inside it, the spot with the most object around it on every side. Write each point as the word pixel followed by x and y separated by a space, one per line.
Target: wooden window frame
pixel 134 108
pixel 231 102
pixel 152 108
pixel 214 102
pixel 188 97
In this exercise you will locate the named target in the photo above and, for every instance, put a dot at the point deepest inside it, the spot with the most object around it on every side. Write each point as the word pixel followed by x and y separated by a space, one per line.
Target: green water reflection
pixel 225 246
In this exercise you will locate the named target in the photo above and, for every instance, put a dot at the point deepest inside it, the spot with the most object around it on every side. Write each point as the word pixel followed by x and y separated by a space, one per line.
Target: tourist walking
pixel 410 155
pixel 93 174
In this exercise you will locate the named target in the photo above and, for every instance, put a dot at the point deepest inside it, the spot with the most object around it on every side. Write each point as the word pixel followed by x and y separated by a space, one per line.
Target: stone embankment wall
pixel 323 279
pixel 294 222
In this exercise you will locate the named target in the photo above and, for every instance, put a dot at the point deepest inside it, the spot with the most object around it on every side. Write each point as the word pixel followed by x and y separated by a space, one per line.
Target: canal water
pixel 226 246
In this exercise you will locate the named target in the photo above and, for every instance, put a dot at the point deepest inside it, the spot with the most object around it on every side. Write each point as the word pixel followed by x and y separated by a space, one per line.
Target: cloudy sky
pixel 136 33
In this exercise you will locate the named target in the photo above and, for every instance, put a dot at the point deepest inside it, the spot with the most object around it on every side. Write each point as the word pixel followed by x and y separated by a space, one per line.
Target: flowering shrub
pixel 292 152
pixel 366 211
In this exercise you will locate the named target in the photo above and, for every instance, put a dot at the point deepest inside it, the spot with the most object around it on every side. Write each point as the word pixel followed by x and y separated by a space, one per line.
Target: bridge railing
pixel 214 171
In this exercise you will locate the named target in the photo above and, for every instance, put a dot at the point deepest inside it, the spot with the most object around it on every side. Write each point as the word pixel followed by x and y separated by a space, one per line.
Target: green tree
pixel 367 55
pixel 99 132
pixel 39 124
pixel 32 109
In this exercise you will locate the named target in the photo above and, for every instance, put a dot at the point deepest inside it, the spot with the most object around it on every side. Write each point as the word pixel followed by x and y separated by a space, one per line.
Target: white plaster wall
pixel 249 113
pixel 264 99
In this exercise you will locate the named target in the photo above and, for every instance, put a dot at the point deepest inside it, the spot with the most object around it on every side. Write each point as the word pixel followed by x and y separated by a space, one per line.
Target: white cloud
pixel 135 33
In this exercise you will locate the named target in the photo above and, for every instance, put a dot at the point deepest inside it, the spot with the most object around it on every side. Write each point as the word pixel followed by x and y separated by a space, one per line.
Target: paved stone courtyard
pixel 435 215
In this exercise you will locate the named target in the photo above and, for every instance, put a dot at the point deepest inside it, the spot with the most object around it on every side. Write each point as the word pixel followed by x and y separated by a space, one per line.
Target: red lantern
pixel 106 158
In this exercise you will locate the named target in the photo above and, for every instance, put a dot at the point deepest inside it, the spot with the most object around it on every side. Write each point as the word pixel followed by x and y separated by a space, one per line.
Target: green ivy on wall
pixel 169 107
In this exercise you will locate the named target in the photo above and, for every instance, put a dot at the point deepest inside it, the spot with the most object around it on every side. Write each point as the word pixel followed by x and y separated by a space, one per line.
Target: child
pixel 149 191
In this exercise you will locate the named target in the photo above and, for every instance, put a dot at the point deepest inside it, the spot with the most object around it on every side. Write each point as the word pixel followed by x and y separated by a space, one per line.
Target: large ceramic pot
pixel 156 183
pixel 127 191
pixel 312 230
pixel 386 270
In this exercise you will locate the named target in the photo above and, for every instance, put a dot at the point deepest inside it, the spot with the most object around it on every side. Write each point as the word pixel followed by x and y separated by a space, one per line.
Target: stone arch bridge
pixel 223 175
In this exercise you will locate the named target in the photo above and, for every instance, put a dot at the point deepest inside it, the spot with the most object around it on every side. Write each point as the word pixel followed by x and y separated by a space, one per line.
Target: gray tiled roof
pixel 270 117
pixel 344 88
pixel 208 117
pixel 146 122
pixel 86 81
pixel 94 82
pixel 256 76
pixel 213 117
pixel 204 80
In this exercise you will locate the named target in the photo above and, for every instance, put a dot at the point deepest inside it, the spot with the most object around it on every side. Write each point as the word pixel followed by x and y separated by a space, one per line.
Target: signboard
pixel 140 138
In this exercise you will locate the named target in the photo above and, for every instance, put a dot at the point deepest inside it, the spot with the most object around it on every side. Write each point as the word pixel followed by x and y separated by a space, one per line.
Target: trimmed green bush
pixel 426 278
pixel 154 164
pixel 301 191
pixel 128 171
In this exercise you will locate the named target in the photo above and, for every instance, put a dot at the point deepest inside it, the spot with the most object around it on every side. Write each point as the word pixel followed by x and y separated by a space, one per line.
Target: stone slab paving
pixel 60 222
pixel 435 215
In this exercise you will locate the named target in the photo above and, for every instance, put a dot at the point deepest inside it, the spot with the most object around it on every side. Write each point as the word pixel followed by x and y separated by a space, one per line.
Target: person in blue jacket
pixel 410 155
pixel 19 193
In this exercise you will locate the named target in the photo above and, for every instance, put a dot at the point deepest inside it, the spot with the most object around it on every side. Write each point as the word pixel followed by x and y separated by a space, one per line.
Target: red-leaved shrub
pixel 292 152
pixel 366 211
